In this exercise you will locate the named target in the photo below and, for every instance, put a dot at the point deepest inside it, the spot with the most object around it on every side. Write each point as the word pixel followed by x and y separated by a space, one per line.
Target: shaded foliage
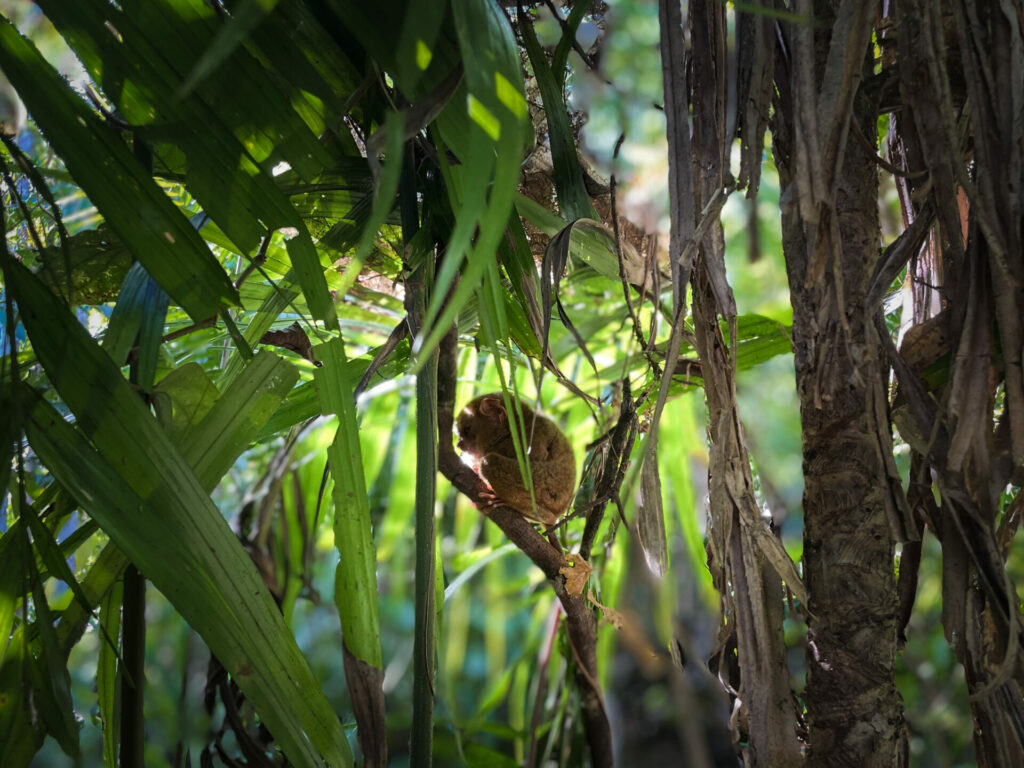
pixel 227 261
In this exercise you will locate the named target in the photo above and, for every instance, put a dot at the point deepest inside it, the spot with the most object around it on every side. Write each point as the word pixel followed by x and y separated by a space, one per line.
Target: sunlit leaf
pixel 130 201
pixel 482 197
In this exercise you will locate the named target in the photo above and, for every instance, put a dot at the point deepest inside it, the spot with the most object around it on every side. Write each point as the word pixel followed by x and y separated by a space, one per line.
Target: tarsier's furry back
pixel 485 432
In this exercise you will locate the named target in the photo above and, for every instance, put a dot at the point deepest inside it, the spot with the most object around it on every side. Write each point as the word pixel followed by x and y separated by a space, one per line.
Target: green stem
pixel 423 644
pixel 418 286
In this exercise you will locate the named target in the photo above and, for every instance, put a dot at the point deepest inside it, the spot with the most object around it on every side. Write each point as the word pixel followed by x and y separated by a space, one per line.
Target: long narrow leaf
pixel 415 48
pixel 106 679
pixel 147 498
pixel 650 522
pixel 245 16
pixel 355 585
pixel 52 681
pixel 213 445
pixel 10 584
pixel 573 200
pixel 18 740
pixel 126 319
pixel 131 202
pixel 494 115
pixel 211 438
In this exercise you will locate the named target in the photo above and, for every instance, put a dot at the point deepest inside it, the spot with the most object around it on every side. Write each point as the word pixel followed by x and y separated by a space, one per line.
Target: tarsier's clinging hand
pixel 485 432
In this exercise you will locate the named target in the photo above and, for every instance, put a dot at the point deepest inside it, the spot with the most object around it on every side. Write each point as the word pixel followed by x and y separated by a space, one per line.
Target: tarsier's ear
pixel 493 407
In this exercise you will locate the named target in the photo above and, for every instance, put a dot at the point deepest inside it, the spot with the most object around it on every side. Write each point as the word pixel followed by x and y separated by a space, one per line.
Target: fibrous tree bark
pixel 959 141
pixel 749 566
pixel 854 509
pixel 950 80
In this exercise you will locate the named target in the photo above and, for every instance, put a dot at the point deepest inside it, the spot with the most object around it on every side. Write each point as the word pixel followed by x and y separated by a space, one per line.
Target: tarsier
pixel 485 433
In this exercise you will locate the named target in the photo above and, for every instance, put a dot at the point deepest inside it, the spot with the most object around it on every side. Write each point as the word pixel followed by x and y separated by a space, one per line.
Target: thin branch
pixel 568 34
pixel 399 332
pixel 614 470
pixel 880 161
pixel 581 625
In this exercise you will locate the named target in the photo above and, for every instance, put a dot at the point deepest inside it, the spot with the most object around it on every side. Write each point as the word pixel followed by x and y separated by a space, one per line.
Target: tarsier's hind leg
pixel 505 478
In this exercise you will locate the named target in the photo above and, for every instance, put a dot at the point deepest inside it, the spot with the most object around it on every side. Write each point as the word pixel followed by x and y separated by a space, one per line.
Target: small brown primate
pixel 485 432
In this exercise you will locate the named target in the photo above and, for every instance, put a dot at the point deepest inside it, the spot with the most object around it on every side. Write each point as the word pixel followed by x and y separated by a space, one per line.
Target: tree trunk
pixel 831 239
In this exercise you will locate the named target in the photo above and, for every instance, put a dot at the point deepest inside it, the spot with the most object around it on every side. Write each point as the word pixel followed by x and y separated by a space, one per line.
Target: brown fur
pixel 485 433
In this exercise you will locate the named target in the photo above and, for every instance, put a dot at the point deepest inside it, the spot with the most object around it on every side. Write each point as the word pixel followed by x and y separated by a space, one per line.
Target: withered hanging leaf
pixel 926 344
pixel 292 338
pixel 610 615
pixel 576 571
pixel 650 520
pixel 553 267
pixel 365 687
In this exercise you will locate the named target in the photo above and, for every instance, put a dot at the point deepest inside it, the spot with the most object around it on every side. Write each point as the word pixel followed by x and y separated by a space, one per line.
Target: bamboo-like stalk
pixel 133 610
pixel 421 739
pixel 418 287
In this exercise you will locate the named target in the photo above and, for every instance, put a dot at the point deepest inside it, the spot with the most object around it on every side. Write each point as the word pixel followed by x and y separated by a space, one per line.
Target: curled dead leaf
pixel 610 615
pixel 292 338
pixel 576 572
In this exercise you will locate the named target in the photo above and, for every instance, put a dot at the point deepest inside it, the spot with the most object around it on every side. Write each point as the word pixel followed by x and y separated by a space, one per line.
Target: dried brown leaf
pixel 650 520
pixel 610 615
pixel 292 338
pixel 576 572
